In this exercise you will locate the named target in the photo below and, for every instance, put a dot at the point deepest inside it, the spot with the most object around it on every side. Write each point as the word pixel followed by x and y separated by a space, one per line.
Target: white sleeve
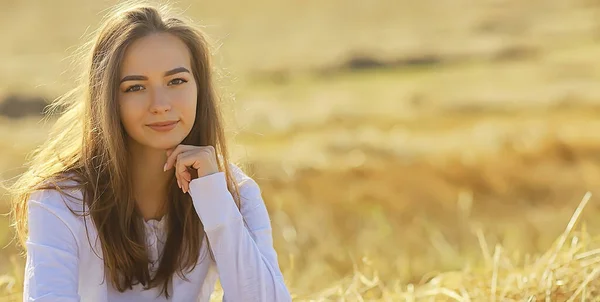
pixel 245 258
pixel 51 270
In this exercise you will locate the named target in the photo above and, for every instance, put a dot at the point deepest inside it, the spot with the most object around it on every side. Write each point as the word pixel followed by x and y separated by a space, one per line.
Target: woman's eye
pixel 134 88
pixel 177 82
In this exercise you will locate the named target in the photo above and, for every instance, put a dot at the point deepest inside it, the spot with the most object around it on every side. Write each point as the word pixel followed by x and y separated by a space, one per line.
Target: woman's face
pixel 157 91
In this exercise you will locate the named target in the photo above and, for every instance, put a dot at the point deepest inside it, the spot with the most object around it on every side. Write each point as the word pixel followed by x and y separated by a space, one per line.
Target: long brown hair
pixel 87 145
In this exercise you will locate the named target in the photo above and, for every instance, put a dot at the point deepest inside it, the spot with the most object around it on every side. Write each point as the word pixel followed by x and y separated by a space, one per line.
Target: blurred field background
pixel 407 150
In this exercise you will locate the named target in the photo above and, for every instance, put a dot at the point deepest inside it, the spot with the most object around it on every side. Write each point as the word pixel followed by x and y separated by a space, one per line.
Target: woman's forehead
pixel 155 53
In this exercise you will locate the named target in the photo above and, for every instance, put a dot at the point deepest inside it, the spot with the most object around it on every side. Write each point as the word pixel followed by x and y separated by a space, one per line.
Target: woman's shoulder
pixel 61 197
pixel 54 212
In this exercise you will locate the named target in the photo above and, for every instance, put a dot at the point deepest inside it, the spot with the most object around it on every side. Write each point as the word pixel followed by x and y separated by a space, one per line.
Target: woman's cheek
pixel 131 113
pixel 188 99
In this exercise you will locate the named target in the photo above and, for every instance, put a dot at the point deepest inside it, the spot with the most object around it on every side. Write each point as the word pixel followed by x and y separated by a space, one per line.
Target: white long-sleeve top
pixel 64 265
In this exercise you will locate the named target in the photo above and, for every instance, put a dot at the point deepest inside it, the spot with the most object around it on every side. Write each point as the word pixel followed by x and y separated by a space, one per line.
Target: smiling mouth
pixel 163 126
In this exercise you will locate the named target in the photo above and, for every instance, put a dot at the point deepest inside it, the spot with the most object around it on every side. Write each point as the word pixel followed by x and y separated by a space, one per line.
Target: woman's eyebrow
pixel 134 78
pixel 144 78
pixel 176 70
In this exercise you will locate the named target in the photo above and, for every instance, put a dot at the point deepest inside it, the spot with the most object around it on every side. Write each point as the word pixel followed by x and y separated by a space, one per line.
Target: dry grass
pixel 568 271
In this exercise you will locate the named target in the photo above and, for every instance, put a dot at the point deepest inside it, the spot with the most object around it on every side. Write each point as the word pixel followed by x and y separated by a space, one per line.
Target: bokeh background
pixel 395 141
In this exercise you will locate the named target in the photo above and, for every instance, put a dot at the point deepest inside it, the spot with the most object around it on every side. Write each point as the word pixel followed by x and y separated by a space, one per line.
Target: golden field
pixel 439 151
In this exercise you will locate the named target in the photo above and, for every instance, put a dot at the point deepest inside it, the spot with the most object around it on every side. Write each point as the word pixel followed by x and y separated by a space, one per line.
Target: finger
pixel 181 167
pixel 183 148
pixel 178 182
pixel 178 166
pixel 193 159
pixel 190 162
pixel 170 150
pixel 188 159
pixel 172 156
pixel 182 172
pixel 186 179
pixel 187 186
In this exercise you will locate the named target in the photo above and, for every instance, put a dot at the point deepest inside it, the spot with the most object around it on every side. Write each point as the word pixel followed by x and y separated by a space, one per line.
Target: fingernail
pixel 165 168
pixel 178 184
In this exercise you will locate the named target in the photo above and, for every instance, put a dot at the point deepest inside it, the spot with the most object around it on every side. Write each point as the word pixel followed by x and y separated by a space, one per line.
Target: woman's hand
pixel 191 161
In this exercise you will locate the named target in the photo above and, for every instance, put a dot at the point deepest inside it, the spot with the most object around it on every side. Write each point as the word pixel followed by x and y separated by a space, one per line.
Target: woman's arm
pixel 51 270
pixel 245 257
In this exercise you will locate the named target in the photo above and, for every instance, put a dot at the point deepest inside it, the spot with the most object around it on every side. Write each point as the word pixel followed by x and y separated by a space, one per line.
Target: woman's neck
pixel 150 182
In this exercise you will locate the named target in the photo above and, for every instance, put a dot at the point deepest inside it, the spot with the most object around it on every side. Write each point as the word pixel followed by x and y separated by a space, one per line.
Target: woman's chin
pixel 164 144
pixel 160 142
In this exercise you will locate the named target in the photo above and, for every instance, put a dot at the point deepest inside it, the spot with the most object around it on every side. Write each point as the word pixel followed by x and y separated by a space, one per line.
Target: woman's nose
pixel 160 101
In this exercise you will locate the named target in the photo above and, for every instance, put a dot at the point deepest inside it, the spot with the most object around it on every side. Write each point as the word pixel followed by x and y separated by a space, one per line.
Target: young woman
pixel 132 198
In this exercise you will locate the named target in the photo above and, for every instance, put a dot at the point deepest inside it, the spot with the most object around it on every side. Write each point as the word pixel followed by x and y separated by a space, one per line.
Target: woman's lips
pixel 163 126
